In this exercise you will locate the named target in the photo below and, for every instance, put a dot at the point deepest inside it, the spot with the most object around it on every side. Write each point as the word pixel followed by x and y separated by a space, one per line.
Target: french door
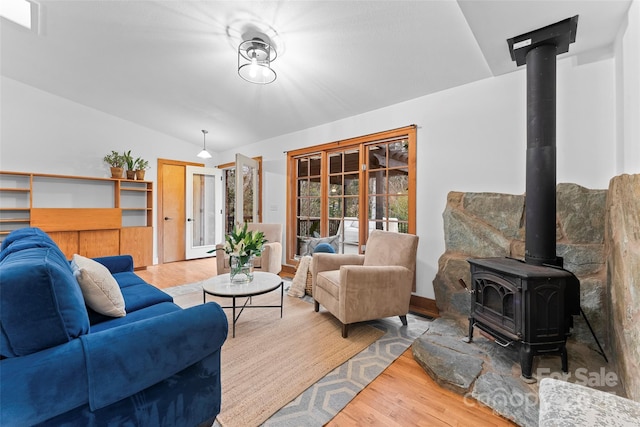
pixel 205 225
pixel 246 189
pixel 248 185
pixel 349 188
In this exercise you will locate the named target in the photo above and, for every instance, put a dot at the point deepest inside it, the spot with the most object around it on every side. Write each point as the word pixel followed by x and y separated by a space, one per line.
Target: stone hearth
pixel 598 235
pixel 485 372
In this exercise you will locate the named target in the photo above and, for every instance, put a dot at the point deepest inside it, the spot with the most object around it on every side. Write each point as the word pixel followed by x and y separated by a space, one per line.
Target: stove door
pixel 496 302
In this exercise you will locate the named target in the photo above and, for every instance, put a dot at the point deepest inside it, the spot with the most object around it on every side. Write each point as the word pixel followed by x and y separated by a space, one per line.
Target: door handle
pixel 189 220
pixel 166 218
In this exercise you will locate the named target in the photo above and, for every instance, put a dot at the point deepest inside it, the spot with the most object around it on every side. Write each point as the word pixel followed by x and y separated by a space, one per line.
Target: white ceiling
pixel 170 66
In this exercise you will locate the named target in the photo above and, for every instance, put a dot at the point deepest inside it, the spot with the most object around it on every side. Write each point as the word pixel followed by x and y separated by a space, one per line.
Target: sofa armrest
pixel 222 260
pixel 117 263
pixel 29 384
pixel 107 366
pixel 326 261
pixel 371 292
pixel 124 360
pixel 272 257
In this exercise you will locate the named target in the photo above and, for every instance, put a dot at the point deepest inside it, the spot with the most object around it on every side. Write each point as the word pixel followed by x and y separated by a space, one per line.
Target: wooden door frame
pixel 159 201
pixel 361 141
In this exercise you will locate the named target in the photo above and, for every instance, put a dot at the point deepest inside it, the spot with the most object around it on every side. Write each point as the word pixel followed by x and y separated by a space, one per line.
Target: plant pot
pixel 131 174
pixel 116 172
pixel 140 174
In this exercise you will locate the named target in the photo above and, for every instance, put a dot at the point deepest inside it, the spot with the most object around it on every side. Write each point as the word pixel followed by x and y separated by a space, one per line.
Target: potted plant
pixel 140 166
pixel 242 246
pixel 116 161
pixel 131 164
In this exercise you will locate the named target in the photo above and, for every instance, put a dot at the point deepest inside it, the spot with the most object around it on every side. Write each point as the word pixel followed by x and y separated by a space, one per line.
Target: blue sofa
pixel 63 364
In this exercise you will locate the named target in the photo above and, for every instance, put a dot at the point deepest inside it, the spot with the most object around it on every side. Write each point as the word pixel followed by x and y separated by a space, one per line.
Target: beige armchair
pixel 356 288
pixel 271 258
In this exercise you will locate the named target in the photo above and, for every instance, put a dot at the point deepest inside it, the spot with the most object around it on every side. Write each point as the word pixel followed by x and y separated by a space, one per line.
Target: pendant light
pixel 204 154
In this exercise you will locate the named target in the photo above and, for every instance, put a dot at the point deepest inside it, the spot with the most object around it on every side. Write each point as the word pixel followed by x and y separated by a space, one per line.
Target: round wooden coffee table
pixel 262 283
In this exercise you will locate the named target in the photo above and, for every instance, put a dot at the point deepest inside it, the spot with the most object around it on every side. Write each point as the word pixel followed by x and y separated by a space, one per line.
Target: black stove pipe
pixel 540 197
pixel 538 50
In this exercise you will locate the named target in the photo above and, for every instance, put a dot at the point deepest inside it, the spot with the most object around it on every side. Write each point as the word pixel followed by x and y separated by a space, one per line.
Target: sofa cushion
pixel 389 248
pixel 127 279
pixel 324 248
pixel 99 289
pixel 135 316
pixel 41 304
pixel 308 244
pixel 143 295
pixel 135 297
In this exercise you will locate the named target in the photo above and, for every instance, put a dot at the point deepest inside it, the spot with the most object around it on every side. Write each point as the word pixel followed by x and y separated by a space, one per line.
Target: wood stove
pixel 524 305
pixel 530 303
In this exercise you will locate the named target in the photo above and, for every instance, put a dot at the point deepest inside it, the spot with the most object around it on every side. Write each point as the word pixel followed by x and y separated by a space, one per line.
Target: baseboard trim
pixel 288 271
pixel 423 306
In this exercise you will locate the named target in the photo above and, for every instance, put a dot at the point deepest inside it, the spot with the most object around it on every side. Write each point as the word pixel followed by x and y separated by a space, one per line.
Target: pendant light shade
pixel 204 154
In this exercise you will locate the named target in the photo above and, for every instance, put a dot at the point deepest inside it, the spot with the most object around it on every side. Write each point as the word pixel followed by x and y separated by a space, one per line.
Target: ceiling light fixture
pixel 204 154
pixel 255 55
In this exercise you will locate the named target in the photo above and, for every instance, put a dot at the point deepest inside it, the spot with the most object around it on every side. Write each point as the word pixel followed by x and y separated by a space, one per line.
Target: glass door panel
pixel 343 198
pixel 388 186
pixel 203 211
pixel 246 192
pixel 308 199
pixel 230 199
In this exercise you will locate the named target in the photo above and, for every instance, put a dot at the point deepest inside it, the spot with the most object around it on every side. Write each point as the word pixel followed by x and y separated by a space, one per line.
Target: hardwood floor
pixel 179 273
pixel 403 395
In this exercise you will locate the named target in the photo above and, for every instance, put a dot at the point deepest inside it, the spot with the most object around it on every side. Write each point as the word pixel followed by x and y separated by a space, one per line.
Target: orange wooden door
pixel 173 211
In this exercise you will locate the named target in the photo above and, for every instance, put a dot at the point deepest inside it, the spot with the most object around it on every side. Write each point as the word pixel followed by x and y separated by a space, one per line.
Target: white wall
pixel 471 138
pixel 627 54
pixel 44 133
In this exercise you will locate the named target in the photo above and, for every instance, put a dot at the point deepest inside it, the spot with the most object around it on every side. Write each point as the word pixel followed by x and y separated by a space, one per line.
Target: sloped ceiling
pixel 172 65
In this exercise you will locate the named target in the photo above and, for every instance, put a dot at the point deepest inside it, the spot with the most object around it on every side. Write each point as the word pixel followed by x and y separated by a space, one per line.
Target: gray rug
pixel 322 401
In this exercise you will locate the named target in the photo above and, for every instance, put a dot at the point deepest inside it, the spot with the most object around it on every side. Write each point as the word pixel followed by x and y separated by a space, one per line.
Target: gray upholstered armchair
pixel 271 258
pixel 356 288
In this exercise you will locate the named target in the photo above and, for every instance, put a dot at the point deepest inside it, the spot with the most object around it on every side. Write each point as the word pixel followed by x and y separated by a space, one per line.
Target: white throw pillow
pixel 99 289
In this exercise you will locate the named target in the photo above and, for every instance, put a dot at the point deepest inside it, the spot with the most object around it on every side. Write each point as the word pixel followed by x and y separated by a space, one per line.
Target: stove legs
pixel 526 359
pixel 470 337
pixel 563 357
pixel 526 363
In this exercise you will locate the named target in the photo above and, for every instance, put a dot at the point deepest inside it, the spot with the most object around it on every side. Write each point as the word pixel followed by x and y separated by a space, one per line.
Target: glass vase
pixel 241 269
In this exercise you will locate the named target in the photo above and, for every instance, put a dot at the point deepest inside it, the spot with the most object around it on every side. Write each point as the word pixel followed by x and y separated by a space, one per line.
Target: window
pixel 349 188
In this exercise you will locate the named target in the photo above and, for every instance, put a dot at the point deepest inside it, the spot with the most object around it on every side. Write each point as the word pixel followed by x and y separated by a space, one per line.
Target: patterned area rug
pixel 323 400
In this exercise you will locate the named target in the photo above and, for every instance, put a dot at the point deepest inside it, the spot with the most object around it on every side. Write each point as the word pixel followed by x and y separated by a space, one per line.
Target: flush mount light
pixel 255 54
pixel 204 154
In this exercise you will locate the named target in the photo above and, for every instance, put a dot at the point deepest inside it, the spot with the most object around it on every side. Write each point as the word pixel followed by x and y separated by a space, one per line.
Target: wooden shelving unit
pixel 15 202
pixel 85 215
